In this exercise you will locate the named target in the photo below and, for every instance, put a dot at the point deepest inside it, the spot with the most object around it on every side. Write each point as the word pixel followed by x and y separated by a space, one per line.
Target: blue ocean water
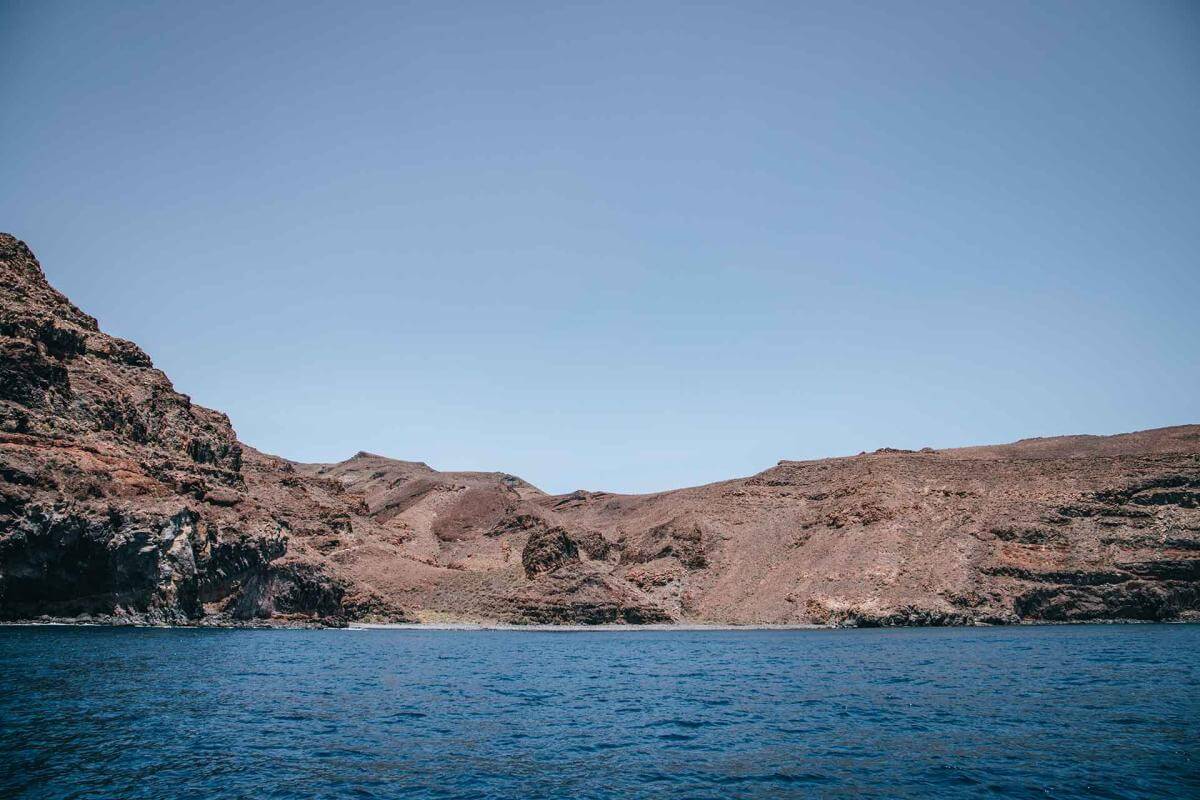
pixel 1059 712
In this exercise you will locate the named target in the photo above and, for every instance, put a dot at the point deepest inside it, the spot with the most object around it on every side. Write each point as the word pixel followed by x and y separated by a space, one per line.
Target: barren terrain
pixel 123 501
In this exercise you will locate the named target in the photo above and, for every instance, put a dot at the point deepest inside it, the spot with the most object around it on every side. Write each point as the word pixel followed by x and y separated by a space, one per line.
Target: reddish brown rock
pixel 120 500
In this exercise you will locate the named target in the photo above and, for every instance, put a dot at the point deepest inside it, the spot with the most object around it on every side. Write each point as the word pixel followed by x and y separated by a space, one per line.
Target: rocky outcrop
pixel 548 548
pixel 66 564
pixel 123 501
pixel 575 594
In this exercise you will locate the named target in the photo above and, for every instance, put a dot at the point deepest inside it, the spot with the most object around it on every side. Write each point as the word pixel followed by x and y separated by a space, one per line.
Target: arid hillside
pixel 122 501
pixel 1068 528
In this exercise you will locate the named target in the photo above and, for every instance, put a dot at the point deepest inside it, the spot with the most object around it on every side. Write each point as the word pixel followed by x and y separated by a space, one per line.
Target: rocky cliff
pixel 121 500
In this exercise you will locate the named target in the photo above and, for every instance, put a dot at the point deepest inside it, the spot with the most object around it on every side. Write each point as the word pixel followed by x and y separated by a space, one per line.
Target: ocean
pixel 1047 712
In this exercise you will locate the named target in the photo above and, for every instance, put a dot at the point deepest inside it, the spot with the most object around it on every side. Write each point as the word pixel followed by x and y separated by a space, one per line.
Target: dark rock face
pixel 68 565
pixel 1132 600
pixel 121 500
pixel 547 549
pixel 289 589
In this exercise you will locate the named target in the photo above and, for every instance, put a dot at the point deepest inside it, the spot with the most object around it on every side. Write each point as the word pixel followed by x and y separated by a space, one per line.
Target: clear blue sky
pixel 624 246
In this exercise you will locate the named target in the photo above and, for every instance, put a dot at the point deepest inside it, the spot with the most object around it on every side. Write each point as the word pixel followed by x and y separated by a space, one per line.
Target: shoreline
pixel 601 627
pixel 501 627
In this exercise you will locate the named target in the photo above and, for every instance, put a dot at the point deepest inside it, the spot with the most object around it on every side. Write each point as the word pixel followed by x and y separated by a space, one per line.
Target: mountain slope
pixel 120 500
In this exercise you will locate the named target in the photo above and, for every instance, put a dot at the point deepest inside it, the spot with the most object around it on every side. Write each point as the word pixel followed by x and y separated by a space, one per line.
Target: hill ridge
pixel 123 501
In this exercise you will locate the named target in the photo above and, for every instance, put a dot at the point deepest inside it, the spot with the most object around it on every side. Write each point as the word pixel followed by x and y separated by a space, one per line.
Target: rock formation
pixel 122 501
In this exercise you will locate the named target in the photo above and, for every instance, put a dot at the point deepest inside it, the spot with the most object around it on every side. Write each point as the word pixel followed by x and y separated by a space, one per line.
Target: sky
pixel 624 246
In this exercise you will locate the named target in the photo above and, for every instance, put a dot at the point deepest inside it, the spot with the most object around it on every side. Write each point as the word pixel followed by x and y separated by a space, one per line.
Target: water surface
pixel 1059 712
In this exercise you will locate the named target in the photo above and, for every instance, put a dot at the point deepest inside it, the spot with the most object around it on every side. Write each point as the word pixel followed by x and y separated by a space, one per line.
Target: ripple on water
pixel 1058 712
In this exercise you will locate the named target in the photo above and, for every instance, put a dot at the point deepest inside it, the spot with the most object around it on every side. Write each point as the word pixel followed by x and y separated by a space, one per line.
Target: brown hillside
pixel 121 500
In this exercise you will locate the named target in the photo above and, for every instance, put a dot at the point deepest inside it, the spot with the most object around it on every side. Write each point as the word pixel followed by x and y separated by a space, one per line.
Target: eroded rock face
pixel 121 500
pixel 67 564
pixel 546 549
pixel 576 594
